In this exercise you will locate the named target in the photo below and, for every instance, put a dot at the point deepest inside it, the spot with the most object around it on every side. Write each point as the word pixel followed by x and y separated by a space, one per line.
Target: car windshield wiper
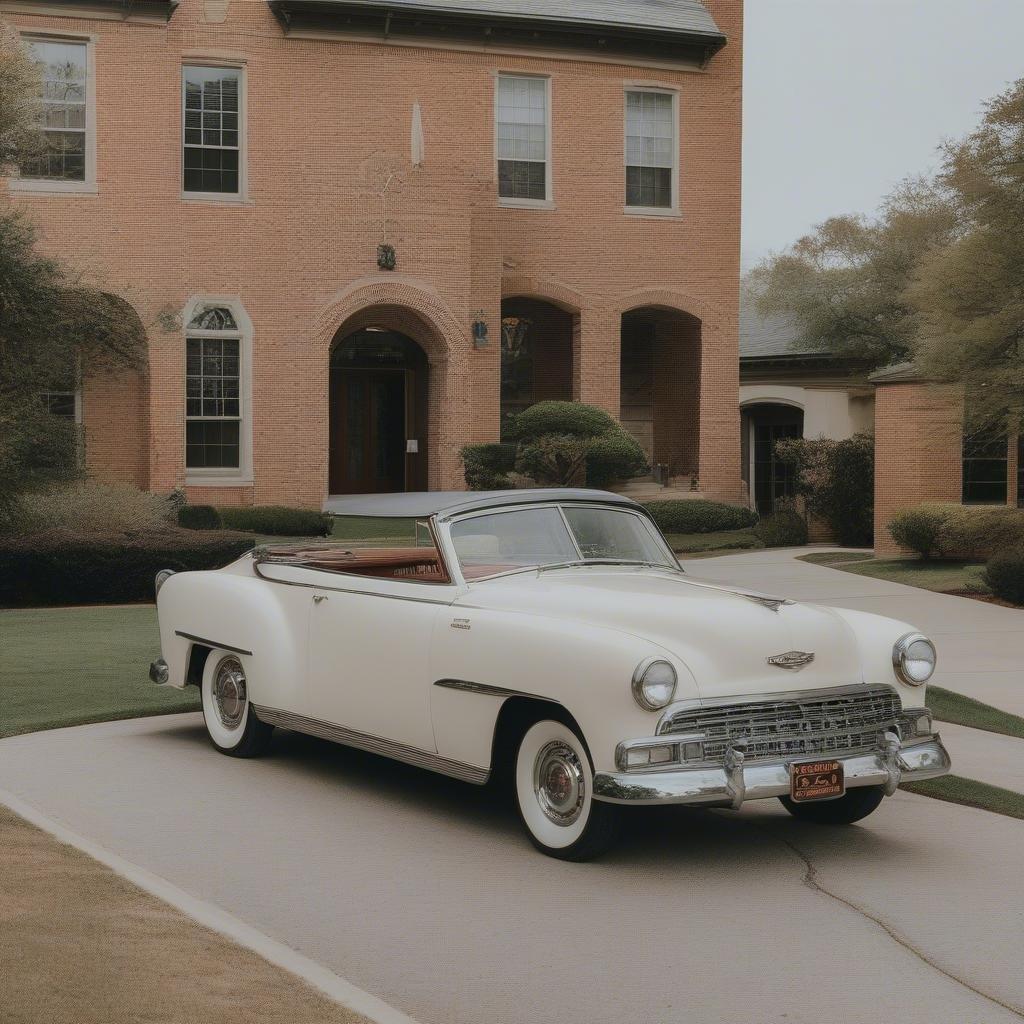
pixel 577 562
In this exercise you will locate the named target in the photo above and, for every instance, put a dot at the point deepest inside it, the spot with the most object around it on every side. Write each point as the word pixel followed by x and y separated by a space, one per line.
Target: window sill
pixel 218 481
pixel 652 211
pixel 38 186
pixel 527 204
pixel 218 198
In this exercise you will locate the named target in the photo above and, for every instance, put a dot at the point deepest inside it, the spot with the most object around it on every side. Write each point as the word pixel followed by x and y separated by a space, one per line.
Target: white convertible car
pixel 551 637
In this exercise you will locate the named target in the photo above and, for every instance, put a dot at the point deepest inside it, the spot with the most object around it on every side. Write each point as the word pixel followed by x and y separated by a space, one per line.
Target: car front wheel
pixel 231 724
pixel 555 794
pixel 852 806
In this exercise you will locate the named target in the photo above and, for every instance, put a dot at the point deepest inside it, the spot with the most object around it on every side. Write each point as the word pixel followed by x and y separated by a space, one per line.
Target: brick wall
pixel 328 122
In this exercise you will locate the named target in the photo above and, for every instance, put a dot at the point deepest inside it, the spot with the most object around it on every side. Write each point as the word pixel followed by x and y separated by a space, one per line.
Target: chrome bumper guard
pixel 734 782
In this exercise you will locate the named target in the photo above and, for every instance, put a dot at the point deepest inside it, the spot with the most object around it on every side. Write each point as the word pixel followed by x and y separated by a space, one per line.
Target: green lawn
pixel 705 544
pixel 971 793
pixel 948 706
pixel 940 576
pixel 68 666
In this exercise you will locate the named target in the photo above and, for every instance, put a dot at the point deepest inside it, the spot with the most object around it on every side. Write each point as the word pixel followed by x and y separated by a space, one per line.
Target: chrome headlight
pixel 913 658
pixel 654 684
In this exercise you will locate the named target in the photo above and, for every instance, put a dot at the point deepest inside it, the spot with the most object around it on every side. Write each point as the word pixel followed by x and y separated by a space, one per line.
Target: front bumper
pixel 733 785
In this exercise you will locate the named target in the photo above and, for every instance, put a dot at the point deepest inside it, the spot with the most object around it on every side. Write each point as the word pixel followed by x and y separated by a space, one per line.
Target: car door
pixel 369 647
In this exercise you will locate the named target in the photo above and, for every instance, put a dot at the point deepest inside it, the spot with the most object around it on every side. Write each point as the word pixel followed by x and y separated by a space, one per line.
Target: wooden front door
pixel 368 410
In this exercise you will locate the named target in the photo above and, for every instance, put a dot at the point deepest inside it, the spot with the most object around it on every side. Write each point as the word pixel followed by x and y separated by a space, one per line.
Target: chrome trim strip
pixel 486 689
pixel 373 744
pixel 731 786
pixel 349 590
pixel 212 643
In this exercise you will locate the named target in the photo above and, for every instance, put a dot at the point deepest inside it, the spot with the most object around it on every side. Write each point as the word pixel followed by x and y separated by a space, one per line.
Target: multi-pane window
pixel 984 468
pixel 61 404
pixel 213 407
pixel 212 139
pixel 651 148
pixel 63 111
pixel 521 127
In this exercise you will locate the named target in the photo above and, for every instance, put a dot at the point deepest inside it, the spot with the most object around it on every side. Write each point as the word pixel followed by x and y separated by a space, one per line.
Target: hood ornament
pixel 791 659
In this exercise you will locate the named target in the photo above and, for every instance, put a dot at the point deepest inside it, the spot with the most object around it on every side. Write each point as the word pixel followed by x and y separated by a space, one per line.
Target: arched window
pixel 217 345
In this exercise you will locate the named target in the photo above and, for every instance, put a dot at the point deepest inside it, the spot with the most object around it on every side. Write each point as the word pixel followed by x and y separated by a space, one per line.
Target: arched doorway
pixel 378 413
pixel 764 424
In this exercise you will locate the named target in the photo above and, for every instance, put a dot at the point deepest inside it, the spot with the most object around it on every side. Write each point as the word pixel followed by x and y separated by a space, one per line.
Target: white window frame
pixel 218 476
pixel 653 211
pixel 17 183
pixel 547 203
pixel 241 196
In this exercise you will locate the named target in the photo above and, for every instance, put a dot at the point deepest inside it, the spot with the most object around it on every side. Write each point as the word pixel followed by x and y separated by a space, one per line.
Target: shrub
pixel 487 466
pixel 979 532
pixel 614 456
pixel 62 566
pixel 554 460
pixel 278 520
pixel 199 517
pixel 837 481
pixel 1005 575
pixel 563 418
pixel 93 508
pixel 699 516
pixel 920 528
pixel 785 528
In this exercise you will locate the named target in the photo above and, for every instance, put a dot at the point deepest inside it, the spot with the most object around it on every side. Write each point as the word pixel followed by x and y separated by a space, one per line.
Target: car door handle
pixel 317 598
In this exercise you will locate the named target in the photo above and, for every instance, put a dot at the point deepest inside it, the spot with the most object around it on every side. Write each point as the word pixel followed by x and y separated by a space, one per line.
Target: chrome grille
pixel 800 725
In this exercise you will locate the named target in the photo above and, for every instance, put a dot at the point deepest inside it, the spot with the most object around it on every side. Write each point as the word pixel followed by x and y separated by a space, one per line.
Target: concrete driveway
pixel 981 645
pixel 423 892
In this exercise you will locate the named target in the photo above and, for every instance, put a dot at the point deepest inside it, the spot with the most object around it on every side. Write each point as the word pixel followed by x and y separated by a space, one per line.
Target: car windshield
pixel 555 535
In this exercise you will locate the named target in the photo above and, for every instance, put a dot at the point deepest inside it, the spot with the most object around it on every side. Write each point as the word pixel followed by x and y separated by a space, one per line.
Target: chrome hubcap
pixel 559 783
pixel 229 692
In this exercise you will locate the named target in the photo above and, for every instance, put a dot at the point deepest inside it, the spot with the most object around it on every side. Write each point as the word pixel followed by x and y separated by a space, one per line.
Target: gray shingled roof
pixel 770 337
pixel 681 16
pixel 896 374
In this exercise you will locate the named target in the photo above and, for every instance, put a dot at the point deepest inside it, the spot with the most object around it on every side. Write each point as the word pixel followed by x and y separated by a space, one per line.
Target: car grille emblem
pixel 791 659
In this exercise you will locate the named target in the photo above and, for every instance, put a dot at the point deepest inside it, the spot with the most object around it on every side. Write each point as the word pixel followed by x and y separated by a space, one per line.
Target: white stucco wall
pixel 828 412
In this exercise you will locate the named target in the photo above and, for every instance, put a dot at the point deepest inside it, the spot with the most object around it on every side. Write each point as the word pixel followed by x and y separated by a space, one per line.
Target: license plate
pixel 816 780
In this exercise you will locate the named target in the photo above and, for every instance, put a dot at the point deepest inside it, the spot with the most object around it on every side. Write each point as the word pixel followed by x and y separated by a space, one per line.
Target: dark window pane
pixel 984 470
pixel 649 186
pixel 211 444
pixel 522 179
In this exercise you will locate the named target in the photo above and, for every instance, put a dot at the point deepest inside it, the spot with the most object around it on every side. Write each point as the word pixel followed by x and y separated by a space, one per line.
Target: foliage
pixel 969 292
pixel 837 482
pixel 278 520
pixel 785 528
pixel 62 566
pixel 487 466
pixel 19 105
pixel 556 460
pixel 563 418
pixel 690 544
pixel 1004 574
pixel 958 531
pixel 91 507
pixel 845 283
pixel 199 517
pixel 48 329
pixel 614 456
pixel 699 516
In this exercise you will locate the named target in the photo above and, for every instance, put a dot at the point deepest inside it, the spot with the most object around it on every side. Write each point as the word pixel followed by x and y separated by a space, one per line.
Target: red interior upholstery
pixel 416 564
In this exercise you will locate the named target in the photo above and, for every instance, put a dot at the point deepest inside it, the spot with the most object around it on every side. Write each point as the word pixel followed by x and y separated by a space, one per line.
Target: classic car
pixel 551 638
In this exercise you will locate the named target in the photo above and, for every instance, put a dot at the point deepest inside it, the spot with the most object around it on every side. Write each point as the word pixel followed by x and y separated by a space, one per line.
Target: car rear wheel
pixel 554 785
pixel 231 724
pixel 852 806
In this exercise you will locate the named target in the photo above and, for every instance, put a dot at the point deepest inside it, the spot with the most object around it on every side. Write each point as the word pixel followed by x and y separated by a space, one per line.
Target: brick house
pixel 556 186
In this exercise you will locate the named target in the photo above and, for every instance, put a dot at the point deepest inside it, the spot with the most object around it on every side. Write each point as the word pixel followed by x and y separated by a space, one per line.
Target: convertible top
pixel 420 504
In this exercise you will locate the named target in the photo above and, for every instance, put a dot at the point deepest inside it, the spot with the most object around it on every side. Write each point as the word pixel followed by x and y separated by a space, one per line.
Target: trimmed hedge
pixel 782 529
pixel 487 466
pixel 277 520
pixel 699 516
pixel 614 456
pixel 958 531
pixel 566 418
pixel 62 567
pixel 1005 575
pixel 199 517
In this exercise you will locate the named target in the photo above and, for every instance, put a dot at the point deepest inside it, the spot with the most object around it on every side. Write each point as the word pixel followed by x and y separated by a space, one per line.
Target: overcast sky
pixel 845 98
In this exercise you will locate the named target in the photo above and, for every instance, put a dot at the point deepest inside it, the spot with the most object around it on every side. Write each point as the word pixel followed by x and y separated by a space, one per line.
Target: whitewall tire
pixel 554 784
pixel 231 724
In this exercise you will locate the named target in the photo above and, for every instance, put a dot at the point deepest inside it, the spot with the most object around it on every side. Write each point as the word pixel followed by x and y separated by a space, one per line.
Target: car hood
pixel 723 636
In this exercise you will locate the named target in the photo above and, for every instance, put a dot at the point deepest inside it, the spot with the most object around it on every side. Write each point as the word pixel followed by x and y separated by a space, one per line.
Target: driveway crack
pixel 813 882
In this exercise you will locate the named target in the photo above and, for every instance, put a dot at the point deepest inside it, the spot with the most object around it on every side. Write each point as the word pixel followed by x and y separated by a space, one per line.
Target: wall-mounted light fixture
pixel 480 339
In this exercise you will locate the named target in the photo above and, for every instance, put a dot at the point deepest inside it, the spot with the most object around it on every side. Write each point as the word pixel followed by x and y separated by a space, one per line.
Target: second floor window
pixel 521 132
pixel 63 112
pixel 211 131
pixel 651 149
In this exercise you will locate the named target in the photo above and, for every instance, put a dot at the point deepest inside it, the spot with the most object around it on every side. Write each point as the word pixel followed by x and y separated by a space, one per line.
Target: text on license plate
pixel 816 780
